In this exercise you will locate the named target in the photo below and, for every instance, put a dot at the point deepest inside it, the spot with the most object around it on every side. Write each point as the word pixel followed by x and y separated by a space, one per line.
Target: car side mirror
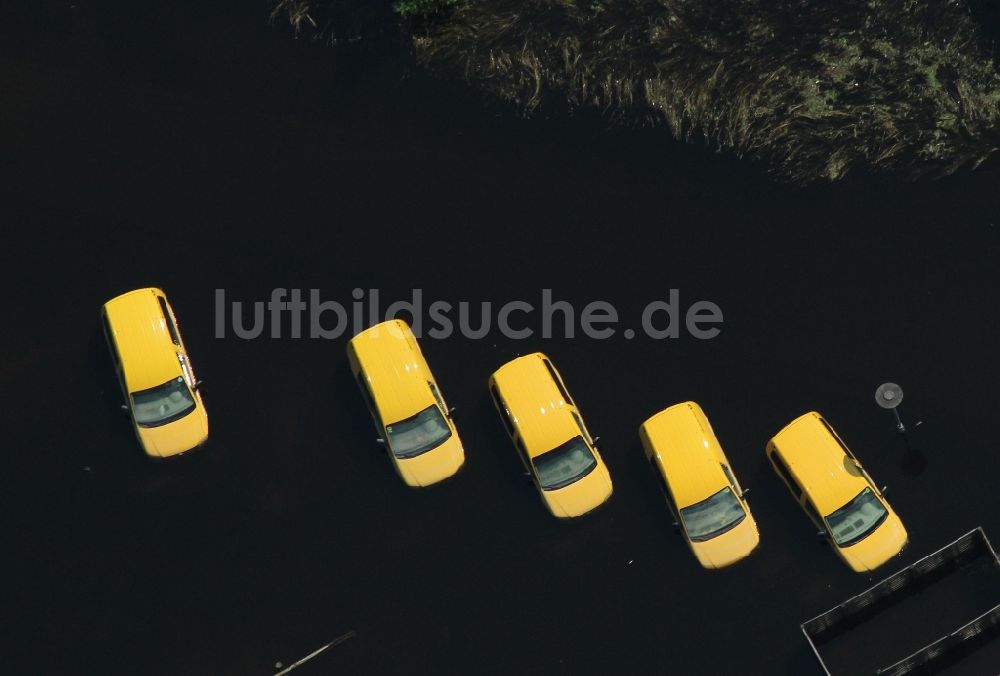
pixel 885 489
pixel 198 384
pixel 451 411
pixel 821 536
pixel 595 441
pixel 380 441
pixel 746 492
pixel 677 527
pixel 124 408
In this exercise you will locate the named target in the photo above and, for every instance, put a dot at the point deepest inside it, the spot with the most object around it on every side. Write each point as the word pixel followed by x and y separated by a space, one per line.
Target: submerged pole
pixel 316 653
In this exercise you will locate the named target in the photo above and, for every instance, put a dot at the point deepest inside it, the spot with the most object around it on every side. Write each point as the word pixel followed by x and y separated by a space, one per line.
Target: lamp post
pixel 890 395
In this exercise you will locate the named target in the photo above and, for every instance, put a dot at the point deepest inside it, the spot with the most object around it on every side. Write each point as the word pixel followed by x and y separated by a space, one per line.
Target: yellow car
pixel 549 435
pixel 410 415
pixel 700 487
pixel 156 377
pixel 836 492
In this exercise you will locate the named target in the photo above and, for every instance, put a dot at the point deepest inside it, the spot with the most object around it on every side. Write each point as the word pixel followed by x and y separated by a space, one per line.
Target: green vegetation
pixel 411 8
pixel 814 89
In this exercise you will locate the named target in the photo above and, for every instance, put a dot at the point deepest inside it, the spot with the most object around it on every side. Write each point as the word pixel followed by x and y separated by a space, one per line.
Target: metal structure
pixel 316 653
pixel 890 395
pixel 889 591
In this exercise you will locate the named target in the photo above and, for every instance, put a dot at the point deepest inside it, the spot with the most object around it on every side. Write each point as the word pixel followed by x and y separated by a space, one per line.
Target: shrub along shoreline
pixel 813 90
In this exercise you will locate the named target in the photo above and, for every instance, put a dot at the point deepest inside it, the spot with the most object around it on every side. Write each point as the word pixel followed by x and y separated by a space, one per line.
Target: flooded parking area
pixel 924 618
pixel 196 149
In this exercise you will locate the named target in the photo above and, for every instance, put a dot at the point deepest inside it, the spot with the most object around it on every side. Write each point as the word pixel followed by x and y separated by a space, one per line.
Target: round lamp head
pixel 889 395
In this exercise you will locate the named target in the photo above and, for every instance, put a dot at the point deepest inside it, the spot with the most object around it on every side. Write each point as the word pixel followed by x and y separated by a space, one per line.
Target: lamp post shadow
pixel 914 461
pixel 889 396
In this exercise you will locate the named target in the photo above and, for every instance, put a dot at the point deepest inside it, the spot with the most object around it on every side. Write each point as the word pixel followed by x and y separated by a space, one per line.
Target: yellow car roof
pixel 146 350
pixel 688 452
pixel 537 407
pixel 396 371
pixel 819 463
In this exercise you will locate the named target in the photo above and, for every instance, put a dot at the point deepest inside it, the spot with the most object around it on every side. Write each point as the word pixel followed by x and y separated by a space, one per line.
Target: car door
pixel 557 378
pixel 366 394
pixel 442 405
pixel 786 476
pixel 525 460
pixel 175 337
pixel 501 407
pixel 583 429
pixel 116 358
pixel 737 490
pixel 820 524
pixel 668 496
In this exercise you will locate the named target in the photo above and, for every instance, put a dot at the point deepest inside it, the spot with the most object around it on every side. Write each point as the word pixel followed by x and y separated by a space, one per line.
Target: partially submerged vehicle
pixel 836 492
pixel 411 418
pixel 155 373
pixel 700 487
pixel 549 435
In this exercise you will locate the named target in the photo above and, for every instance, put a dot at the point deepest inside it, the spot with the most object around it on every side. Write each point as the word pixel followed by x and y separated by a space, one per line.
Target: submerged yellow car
pixel 549 435
pixel 700 487
pixel 836 492
pixel 156 377
pixel 411 418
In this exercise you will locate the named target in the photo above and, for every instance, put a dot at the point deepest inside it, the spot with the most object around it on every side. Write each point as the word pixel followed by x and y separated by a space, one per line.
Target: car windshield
pixel 857 518
pixel 564 464
pixel 712 516
pixel 418 434
pixel 165 403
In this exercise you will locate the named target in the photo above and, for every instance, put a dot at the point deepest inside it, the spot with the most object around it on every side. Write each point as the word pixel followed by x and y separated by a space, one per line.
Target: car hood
pixel 435 465
pixel 175 437
pixel 581 496
pixel 878 547
pixel 726 549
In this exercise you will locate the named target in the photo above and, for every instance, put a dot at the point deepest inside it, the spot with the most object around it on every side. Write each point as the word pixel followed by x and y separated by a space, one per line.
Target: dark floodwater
pixel 942 605
pixel 187 145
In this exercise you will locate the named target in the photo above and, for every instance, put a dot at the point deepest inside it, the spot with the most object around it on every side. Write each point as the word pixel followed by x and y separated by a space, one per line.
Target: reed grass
pixel 814 89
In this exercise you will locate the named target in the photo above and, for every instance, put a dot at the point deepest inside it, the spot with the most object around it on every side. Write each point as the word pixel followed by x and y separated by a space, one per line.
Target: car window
pixel 813 514
pixel 417 434
pixel 663 486
pixel 502 409
pixel 729 476
pixel 564 464
pixel 559 382
pixel 583 430
pixel 437 395
pixel 162 404
pixel 782 469
pixel 169 320
pixel 108 335
pixel 520 448
pixel 184 367
pixel 855 520
pixel 367 396
pixel 713 516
